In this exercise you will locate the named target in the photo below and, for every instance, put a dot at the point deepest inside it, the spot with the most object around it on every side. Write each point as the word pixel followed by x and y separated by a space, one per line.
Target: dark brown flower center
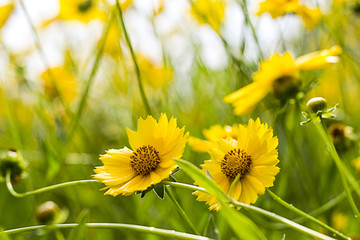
pixel 236 162
pixel 144 160
pixel 85 5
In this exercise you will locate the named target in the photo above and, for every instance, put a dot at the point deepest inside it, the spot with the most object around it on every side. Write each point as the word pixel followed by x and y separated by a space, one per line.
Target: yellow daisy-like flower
pixel 65 80
pixel 279 8
pixel 280 75
pixel 5 12
pixel 81 10
pixel 253 156
pixel 155 144
pixel 154 75
pixel 210 12
pixel 212 135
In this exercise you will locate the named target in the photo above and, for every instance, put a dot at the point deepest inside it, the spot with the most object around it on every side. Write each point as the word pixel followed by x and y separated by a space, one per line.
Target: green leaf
pixel 242 225
pixel 210 229
pixel 159 189
pixel 79 232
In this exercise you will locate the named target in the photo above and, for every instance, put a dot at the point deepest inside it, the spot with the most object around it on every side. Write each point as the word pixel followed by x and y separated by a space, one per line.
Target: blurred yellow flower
pixel 65 81
pixel 280 74
pixel 156 144
pixel 356 164
pixel 212 135
pixel 81 10
pixel 278 8
pixel 112 45
pixel 154 75
pixel 339 221
pixel 252 155
pixel 5 12
pixel 210 12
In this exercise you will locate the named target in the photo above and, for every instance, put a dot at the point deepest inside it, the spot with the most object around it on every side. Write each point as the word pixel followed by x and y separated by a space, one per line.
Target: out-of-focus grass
pixel 38 125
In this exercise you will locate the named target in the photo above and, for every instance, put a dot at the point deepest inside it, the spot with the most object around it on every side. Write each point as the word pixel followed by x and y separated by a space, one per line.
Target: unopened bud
pixel 46 212
pixel 317 104
pixel 14 162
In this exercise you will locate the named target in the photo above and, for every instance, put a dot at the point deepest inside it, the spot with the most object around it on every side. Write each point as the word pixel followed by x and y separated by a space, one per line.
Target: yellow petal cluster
pixel 210 12
pixel 154 75
pixel 278 8
pixel 277 68
pixel 212 135
pixel 256 164
pixel 5 12
pixel 154 145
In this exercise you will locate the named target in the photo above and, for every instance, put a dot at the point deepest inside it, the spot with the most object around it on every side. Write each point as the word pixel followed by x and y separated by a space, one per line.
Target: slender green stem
pixel 138 228
pixel 137 70
pixel 184 185
pixel 44 189
pixel 305 215
pixel 271 215
pixel 181 211
pixel 44 59
pixel 99 54
pixel 344 172
pixel 243 5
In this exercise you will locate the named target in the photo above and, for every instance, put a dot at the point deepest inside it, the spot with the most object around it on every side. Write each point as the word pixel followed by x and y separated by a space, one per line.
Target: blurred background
pixel 69 90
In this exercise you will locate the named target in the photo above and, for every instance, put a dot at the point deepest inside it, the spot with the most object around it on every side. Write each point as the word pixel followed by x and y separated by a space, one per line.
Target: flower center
pixel 144 160
pixel 286 87
pixel 84 6
pixel 236 162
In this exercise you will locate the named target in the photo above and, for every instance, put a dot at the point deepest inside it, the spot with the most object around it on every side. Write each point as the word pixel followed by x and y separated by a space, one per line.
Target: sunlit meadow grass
pixel 170 97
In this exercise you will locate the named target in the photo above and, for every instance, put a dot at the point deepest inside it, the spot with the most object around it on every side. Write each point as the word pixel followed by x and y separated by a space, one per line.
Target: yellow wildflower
pixel 339 221
pixel 280 74
pixel 154 75
pixel 210 12
pixel 212 135
pixel 5 12
pixel 81 10
pixel 65 81
pixel 278 8
pixel 252 155
pixel 155 144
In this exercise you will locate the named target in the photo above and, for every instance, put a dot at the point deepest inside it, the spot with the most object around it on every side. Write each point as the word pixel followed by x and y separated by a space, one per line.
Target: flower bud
pixel 46 212
pixel 14 162
pixel 317 104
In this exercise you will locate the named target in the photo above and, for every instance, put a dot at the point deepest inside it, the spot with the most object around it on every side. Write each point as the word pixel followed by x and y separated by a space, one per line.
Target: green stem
pixel 44 189
pixel 271 215
pixel 138 228
pixel 305 215
pixel 181 211
pixel 137 70
pixel 344 172
pixel 81 107
pixel 243 5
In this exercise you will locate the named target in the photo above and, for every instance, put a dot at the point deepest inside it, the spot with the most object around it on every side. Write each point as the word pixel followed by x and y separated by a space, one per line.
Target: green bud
pixel 46 213
pixel 14 162
pixel 317 104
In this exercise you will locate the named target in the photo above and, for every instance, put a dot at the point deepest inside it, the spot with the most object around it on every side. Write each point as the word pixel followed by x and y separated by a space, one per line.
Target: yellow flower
pixel 212 135
pixel 155 144
pixel 210 12
pixel 5 12
pixel 280 74
pixel 253 156
pixel 65 81
pixel 81 10
pixel 339 221
pixel 278 8
pixel 154 75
